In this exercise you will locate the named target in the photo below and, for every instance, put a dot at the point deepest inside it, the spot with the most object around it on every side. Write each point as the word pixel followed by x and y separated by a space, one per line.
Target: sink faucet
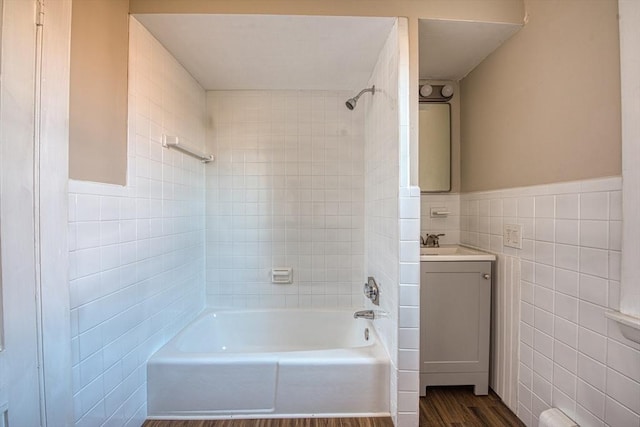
pixel 432 240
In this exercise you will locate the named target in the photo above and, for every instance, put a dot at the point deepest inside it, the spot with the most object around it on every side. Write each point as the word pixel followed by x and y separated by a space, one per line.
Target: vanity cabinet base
pixel 455 318
pixel 479 380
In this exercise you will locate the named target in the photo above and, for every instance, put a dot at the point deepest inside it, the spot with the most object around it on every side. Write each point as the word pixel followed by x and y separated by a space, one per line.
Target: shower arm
pixel 371 89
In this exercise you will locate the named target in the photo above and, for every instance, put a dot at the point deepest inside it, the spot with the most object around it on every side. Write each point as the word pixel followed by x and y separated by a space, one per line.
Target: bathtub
pixel 270 363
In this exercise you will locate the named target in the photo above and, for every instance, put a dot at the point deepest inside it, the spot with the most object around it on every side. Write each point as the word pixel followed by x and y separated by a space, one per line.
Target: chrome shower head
pixel 351 102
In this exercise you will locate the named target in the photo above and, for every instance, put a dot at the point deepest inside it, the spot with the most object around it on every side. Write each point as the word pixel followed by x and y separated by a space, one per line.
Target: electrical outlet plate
pixel 512 236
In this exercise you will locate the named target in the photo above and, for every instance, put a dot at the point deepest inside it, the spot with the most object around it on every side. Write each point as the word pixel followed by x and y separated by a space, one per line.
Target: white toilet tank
pixel 554 417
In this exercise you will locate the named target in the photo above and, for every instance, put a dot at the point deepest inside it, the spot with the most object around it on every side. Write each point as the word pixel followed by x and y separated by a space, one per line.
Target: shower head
pixel 351 102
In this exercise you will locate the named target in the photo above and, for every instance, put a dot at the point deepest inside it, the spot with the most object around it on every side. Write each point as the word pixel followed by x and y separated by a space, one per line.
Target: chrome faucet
pixel 432 240
pixel 364 314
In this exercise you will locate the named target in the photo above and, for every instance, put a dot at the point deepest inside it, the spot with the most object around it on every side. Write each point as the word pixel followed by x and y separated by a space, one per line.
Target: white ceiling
pixel 449 50
pixel 272 52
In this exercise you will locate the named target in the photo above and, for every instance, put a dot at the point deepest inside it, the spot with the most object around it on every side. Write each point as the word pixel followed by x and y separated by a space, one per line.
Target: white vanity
pixel 455 317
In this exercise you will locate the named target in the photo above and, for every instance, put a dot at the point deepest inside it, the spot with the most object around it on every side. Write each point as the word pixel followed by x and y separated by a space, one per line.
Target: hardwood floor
pixel 458 406
pixel 443 407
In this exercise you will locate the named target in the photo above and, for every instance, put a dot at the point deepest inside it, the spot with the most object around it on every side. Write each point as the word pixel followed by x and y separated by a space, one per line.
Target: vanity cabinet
pixel 455 317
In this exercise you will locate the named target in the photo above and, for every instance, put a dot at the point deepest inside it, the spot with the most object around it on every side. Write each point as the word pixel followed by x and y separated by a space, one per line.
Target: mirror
pixel 434 130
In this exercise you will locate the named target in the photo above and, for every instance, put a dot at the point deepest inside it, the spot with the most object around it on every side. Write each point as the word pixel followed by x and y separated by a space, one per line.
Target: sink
pixel 454 253
pixel 443 250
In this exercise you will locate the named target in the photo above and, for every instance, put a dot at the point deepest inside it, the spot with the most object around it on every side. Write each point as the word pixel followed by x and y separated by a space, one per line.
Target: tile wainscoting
pixel 570 355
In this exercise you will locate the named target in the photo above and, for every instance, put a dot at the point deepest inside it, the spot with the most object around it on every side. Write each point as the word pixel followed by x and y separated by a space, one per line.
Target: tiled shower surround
pixel 137 252
pixel 286 190
pixel 570 355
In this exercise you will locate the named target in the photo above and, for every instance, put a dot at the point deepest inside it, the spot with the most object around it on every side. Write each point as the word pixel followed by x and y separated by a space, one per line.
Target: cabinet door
pixel 455 316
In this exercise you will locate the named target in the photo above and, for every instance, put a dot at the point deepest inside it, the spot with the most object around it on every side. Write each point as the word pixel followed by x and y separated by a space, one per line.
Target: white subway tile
pixel 594 206
pixel 87 207
pixel 543 343
pixel 615 235
pixel 593 289
pixel 592 372
pixel 496 208
pixel 586 418
pixel 590 398
pixel 409 317
pixel 594 234
pixel 527 271
pixel 615 205
pixel 567 257
pixel 510 207
pixel 566 331
pixel 567 231
pixel 545 229
pixel 567 357
pixel 624 359
pixel 544 275
pixel 87 234
pixel 566 307
pixel 592 344
pixel 526 207
pixel 568 206
pixel 544 300
pixel 542 389
pixel 594 262
pixel 591 316
pixel 566 281
pixel 542 366
pixel 624 390
pixel 409 338
pixel 544 252
pixel 545 206
pixel 617 415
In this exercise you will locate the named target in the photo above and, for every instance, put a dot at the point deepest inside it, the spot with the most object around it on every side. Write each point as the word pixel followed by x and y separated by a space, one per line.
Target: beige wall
pixel 98 94
pixel 545 106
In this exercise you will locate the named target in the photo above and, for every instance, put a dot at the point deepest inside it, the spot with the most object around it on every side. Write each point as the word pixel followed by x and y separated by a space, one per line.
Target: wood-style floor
pixel 458 407
pixel 443 407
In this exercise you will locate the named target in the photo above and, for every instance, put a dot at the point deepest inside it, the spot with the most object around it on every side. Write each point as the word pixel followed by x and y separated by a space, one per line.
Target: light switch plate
pixel 512 236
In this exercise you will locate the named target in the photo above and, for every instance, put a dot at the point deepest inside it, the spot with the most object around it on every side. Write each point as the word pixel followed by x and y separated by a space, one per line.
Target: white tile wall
pixel 137 252
pixel 449 225
pixel 409 290
pixel 571 356
pixel 382 172
pixel 392 222
pixel 409 308
pixel 287 190
pixel 382 183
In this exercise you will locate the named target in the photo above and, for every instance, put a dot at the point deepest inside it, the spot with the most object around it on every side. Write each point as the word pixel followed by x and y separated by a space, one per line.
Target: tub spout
pixel 364 314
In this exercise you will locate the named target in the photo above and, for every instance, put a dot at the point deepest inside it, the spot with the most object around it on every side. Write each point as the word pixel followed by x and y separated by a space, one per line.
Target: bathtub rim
pixel 373 351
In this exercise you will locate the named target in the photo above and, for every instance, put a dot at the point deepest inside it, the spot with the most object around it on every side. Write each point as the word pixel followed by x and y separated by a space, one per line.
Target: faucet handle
pixel 433 240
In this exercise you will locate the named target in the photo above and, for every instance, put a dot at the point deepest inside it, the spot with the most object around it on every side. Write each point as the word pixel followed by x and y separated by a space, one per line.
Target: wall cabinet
pixel 455 317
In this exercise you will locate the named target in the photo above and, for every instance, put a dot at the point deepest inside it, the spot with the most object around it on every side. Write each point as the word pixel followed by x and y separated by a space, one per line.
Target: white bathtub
pixel 270 363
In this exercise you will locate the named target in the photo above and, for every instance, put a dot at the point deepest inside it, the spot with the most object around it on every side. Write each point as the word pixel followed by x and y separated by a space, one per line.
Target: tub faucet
pixel 364 314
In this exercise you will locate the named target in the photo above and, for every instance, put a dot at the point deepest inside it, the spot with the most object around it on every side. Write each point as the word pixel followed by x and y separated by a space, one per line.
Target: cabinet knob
pixel 486 276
